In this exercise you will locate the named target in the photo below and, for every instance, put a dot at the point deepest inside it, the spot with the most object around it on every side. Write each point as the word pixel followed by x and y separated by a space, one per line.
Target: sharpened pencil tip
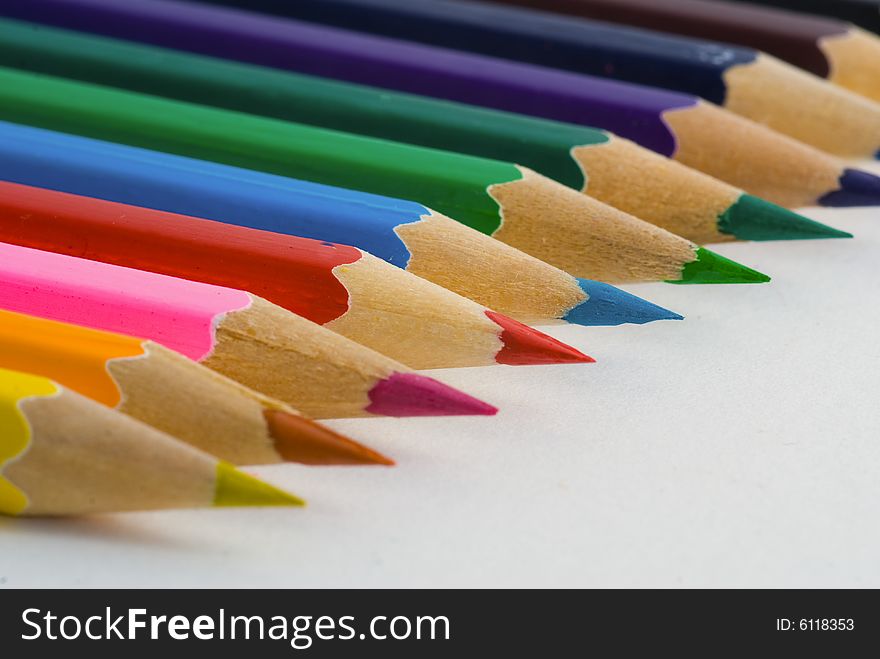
pixel 609 305
pixel 235 488
pixel 857 188
pixel 308 442
pixel 752 218
pixel 523 345
pixel 712 268
pixel 410 394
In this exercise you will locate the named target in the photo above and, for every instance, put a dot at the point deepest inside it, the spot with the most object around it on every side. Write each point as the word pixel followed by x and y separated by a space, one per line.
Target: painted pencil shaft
pixel 540 216
pixel 605 167
pixel 298 98
pixel 865 13
pixel 375 303
pixel 829 48
pixel 740 79
pixel 790 36
pixel 410 235
pixel 64 454
pixel 721 144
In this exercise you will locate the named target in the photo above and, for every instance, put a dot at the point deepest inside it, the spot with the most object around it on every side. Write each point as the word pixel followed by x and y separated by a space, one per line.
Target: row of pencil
pixel 206 243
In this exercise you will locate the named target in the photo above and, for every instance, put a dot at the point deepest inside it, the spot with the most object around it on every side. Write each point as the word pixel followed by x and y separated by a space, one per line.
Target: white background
pixel 739 447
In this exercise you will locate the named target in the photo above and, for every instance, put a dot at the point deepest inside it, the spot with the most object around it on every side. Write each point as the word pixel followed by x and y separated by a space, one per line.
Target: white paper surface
pixel 739 447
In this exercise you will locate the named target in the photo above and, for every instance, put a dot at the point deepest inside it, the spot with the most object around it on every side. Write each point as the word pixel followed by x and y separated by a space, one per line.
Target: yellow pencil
pixel 64 454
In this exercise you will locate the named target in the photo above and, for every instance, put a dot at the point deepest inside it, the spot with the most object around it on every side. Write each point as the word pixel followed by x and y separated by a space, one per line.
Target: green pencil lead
pixel 752 218
pixel 712 268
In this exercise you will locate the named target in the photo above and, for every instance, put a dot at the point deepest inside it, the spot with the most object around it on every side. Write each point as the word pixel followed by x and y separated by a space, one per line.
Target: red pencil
pixel 340 287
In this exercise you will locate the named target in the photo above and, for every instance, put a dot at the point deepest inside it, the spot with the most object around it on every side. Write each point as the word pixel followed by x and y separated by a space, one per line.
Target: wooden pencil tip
pixel 523 345
pixel 235 488
pixel 302 440
pixel 410 394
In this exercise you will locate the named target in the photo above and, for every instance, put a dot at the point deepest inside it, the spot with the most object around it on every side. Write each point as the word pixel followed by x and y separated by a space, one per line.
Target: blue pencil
pixel 406 234
pixel 740 79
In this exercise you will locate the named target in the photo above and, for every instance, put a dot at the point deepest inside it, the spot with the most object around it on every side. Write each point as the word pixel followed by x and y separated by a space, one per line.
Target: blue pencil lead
pixel 609 305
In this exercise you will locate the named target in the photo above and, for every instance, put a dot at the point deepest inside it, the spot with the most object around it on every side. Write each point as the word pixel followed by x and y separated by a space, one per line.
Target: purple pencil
pixel 682 127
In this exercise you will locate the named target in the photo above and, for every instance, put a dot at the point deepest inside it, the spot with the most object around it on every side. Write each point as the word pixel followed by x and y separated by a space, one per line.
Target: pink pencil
pixel 259 344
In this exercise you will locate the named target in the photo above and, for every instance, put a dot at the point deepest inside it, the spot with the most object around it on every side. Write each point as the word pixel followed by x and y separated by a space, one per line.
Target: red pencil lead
pixel 524 345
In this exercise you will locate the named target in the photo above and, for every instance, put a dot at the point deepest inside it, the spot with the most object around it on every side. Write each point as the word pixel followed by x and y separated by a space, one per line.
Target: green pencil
pixel 607 168
pixel 524 209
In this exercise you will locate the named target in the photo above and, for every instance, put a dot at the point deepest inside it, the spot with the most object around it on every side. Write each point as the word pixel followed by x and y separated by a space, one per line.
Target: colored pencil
pixel 406 234
pixel 515 205
pixel 157 386
pixel 740 152
pixel 360 296
pixel 232 332
pixel 865 13
pixel 306 276
pixel 833 49
pixel 608 168
pixel 743 80
pixel 64 454
pixel 329 376
pixel 334 376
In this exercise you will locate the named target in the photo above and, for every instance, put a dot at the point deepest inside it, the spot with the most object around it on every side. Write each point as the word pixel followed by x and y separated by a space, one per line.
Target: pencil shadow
pixel 109 528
